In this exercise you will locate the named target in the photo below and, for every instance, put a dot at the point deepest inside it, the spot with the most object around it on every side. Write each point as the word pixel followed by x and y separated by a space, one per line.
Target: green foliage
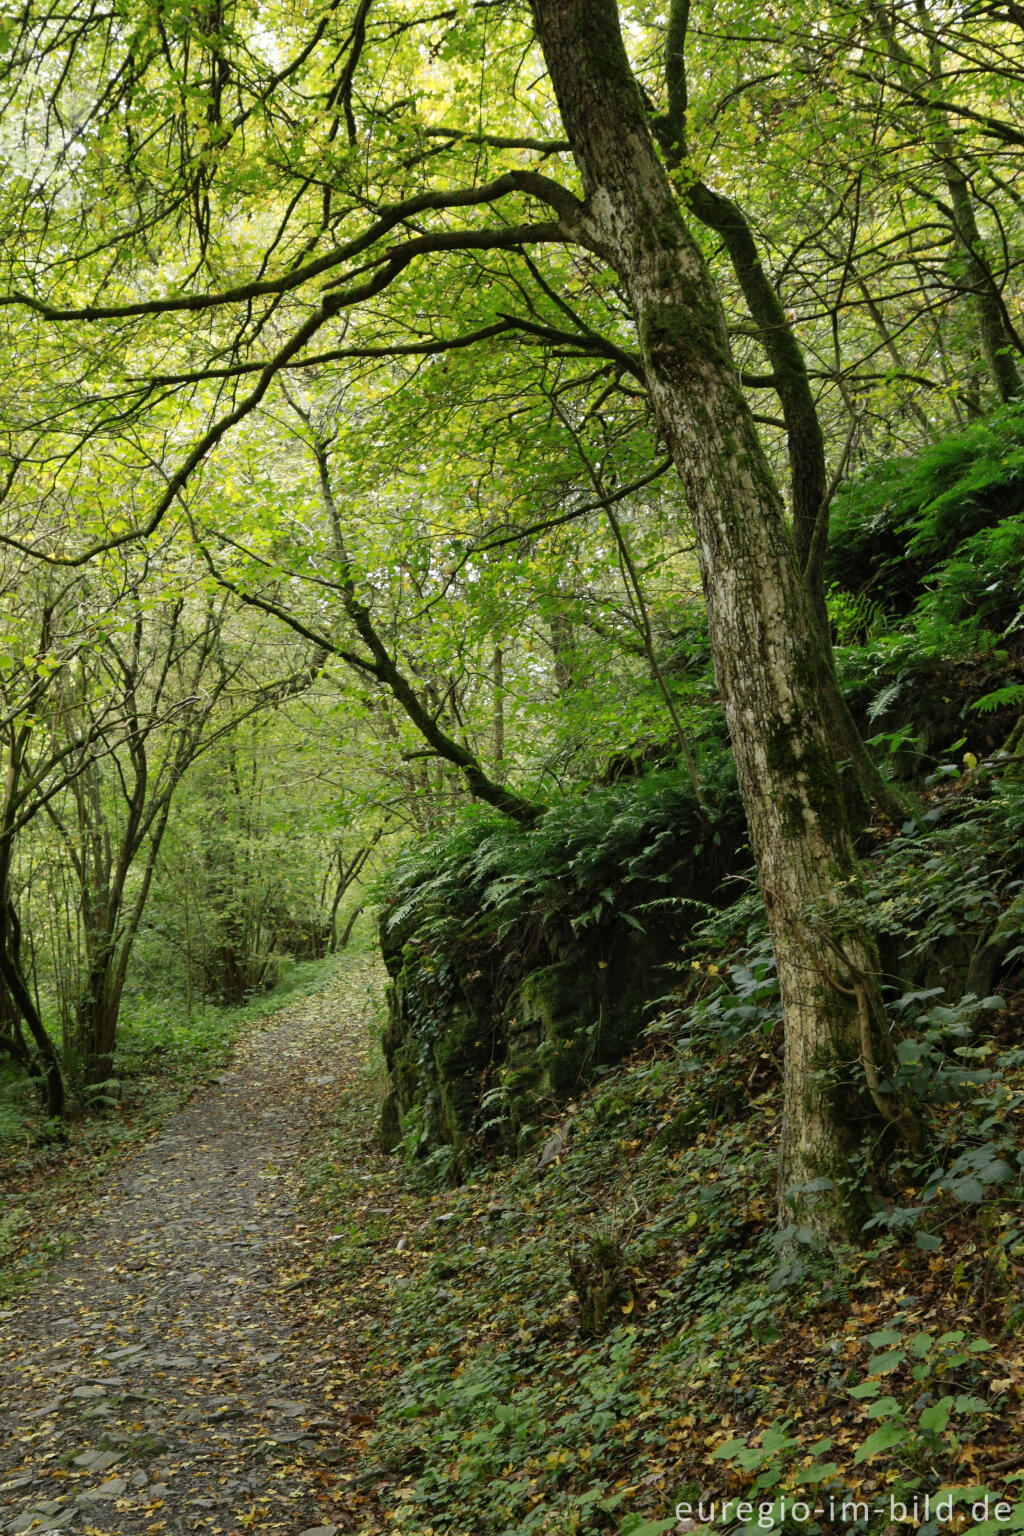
pixel 854 616
pixel 944 1400
pixel 925 558
pixel 158 1035
pixel 510 1406
pixel 13 1123
pixel 11 1223
pixel 560 1324
pixel 905 669
pixel 485 909
pixel 15 1106
pixel 158 1031
pixel 973 1155
pixel 949 877
pixel 736 998
pixel 984 578
pixel 602 854
pixel 1009 697
pixel 949 516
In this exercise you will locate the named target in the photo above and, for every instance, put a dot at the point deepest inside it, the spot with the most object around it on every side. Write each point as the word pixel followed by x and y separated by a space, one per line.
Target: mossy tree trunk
pixel 18 1011
pixel 809 483
pixel 41 1060
pixel 769 660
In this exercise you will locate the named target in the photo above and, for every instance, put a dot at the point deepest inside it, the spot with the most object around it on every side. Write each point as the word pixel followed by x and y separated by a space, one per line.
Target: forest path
pixel 154 1381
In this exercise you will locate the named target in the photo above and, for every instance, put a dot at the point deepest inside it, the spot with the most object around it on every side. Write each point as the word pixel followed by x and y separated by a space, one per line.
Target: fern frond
pixel 881 702
pixel 999 698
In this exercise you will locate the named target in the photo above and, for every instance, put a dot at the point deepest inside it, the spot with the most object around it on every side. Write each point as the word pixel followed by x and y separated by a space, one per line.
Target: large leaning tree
pixel 200 203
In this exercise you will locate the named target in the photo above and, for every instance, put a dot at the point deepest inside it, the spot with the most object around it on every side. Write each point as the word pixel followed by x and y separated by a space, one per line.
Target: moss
pixel 465 1042
pixel 457 1101
pixel 691 320
pixel 806 774
pixel 390 1123
pixel 561 1004
pixel 667 326
pixel 523 1021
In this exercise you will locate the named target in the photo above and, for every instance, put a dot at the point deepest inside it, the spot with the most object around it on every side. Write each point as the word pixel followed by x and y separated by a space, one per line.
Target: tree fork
pixel 765 644
pixel 384 667
pixel 810 489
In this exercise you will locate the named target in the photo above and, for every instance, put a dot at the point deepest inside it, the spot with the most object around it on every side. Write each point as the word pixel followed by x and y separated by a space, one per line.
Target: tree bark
pixel 18 1004
pixel 346 933
pixel 809 485
pixel 769 661
pixel 46 1067
pixel 347 874
pixel 498 708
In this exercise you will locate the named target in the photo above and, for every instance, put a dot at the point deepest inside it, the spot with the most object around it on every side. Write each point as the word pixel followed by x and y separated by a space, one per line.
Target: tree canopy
pixel 497 361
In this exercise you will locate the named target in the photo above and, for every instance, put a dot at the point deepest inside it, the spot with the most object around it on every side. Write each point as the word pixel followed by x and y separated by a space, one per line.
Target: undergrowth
pixel 942 530
pixel 581 1346
pixel 589 858
pixel 588 1339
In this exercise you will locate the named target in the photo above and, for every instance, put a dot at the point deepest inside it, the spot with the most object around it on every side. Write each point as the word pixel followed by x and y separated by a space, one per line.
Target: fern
pixel 1000 698
pixel 696 910
pixel 894 527
pixel 506 897
pixel 881 702
pixel 12 1123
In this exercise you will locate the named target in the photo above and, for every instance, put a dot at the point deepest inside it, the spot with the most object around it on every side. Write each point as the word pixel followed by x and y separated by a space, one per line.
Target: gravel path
pixel 153 1382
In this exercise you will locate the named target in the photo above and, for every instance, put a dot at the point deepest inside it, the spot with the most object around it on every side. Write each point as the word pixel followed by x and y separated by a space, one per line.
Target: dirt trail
pixel 153 1381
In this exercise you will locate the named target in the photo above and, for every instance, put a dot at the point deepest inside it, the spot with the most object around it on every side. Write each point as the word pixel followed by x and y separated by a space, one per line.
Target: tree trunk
pixel 498 708
pixel 809 485
pixel 346 933
pixel 563 653
pixel 998 345
pixel 96 1017
pixel 768 656
pixel 46 1067
pixel 971 271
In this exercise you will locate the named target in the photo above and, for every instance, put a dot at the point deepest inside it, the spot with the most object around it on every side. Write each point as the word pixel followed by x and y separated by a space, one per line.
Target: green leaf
pixel 775 1439
pixel 820 1472
pixel 648 1527
pixel 965 1403
pixel 996 1527
pixel 880 1365
pixel 727 1451
pixel 935 1418
pixel 883 1439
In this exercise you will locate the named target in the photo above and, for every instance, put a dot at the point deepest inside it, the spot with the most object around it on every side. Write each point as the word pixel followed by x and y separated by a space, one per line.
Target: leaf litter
pixel 157 1380
pixel 272 1326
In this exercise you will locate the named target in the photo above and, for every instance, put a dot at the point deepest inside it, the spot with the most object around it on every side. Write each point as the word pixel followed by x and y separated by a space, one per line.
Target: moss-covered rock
pixel 455 1044
pixel 524 959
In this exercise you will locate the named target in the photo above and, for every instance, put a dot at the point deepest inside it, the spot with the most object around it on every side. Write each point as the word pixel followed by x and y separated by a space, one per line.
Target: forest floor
pixel 260 1322
pixel 164 1376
